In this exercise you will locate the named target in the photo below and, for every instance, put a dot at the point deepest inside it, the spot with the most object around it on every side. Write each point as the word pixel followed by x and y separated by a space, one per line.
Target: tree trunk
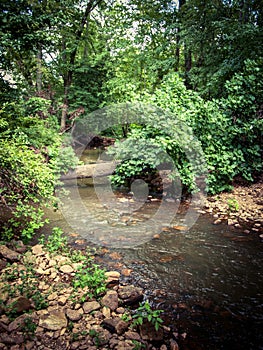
pixel 39 70
pixel 71 60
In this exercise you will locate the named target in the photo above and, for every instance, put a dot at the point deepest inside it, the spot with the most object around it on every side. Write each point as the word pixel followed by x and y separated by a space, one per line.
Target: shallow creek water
pixel 208 279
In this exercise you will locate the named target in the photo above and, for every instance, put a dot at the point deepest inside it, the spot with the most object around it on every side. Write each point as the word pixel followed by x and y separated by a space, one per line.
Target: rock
pixel 17 323
pixel 8 254
pixel 110 300
pixel 173 345
pixel 62 300
pixel 4 295
pixel 20 304
pixel 66 269
pixel 29 345
pixel 125 345
pixel 180 228
pixel 90 306
pixel 56 320
pixel 148 332
pixel 120 310
pixel 37 249
pixel 130 294
pixel 103 335
pixel 126 272
pixel 2 264
pixel 113 277
pixel 132 335
pixel 106 312
pixel 115 325
pixel 217 222
pixel 11 338
pixel 74 315
pixel 163 347
pixel 52 296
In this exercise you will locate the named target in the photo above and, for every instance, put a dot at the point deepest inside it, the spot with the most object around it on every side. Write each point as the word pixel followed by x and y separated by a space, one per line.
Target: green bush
pixel 32 157
pixel 231 146
pixel 26 184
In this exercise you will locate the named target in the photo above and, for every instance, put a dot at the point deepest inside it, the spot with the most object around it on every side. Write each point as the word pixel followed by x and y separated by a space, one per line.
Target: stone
pixel 8 254
pixel 20 304
pixel 120 310
pixel 54 321
pixel 4 295
pixel 130 294
pixel 66 269
pixel 106 312
pixel 62 300
pixel 15 347
pixel 112 277
pixel 37 249
pixel 2 264
pixel 163 347
pixel 115 325
pixel 217 222
pixel 148 332
pixel 52 296
pixel 29 345
pixel 125 345
pixel 17 323
pixel 132 335
pixel 11 338
pixel 103 335
pixel 90 306
pixel 110 300
pixel 173 345
pixel 74 315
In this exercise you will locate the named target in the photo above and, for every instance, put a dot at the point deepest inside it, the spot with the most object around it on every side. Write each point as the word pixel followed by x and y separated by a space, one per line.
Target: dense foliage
pixel 198 61
pixel 31 161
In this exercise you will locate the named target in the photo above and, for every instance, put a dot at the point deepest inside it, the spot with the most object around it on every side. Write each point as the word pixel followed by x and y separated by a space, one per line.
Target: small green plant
pixel 56 242
pixel 29 328
pixel 22 282
pixel 146 313
pixel 233 205
pixel 96 337
pixel 92 277
pixel 138 345
pixel 126 317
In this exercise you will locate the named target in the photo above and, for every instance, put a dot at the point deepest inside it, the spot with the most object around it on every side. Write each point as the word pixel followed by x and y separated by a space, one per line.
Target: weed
pixel 146 313
pixel 138 345
pixel 92 277
pixel 55 242
pixel 29 328
pixel 96 337
pixel 232 205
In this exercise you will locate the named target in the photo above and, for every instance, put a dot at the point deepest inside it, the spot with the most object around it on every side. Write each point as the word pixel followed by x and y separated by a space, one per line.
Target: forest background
pixel 60 60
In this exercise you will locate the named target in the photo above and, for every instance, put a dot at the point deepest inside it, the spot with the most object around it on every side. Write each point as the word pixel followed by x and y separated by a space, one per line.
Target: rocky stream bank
pixel 41 309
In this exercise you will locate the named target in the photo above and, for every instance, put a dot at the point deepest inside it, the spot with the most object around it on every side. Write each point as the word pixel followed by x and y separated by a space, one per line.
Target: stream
pixel 207 279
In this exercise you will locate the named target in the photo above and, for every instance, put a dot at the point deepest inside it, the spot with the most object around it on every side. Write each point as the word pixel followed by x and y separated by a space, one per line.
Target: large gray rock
pixel 8 254
pixel 110 300
pixel 115 325
pixel 54 321
pixel 20 304
pixel 90 306
pixel 130 294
